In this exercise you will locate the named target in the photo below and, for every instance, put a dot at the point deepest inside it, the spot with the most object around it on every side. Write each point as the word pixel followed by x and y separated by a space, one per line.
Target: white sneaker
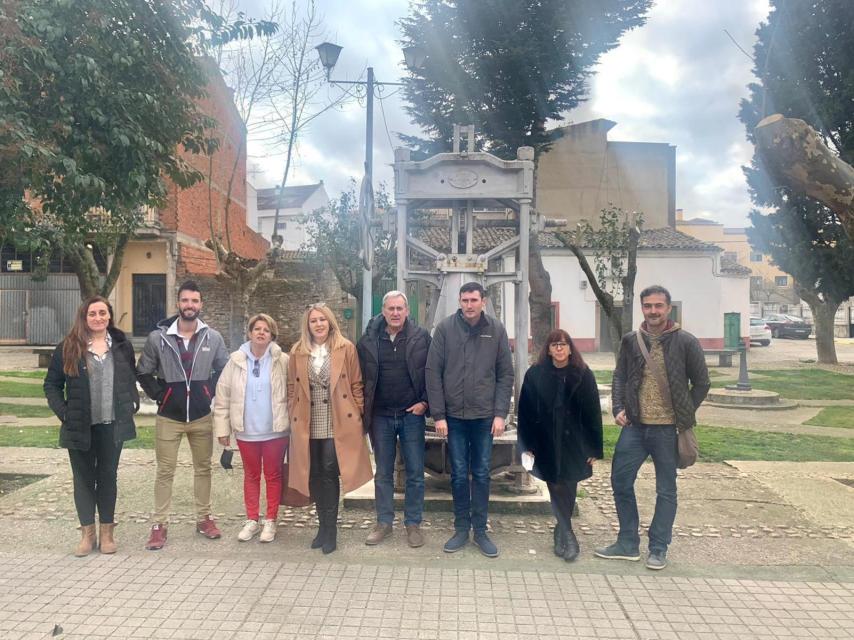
pixel 269 532
pixel 250 530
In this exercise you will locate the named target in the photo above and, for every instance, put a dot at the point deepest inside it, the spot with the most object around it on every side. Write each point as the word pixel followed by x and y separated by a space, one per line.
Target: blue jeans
pixel 385 430
pixel 470 448
pixel 633 446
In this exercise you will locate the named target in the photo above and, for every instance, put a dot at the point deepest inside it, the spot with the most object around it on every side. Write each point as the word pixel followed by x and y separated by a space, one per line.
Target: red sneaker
pixel 157 538
pixel 207 527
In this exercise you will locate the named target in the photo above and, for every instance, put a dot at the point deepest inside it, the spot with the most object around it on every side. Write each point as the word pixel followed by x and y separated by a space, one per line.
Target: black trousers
pixel 562 495
pixel 323 478
pixel 94 472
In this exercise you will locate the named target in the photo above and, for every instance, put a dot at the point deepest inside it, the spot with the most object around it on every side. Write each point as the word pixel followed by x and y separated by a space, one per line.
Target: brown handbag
pixel 687 447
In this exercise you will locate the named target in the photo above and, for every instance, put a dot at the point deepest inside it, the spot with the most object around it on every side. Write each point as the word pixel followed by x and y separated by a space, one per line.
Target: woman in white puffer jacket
pixel 251 404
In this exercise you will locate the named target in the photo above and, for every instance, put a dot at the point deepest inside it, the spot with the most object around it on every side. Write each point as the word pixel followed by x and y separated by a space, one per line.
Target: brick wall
pixel 284 297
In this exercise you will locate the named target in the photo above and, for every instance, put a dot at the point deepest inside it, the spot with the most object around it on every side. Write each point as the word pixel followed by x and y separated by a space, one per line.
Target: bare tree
pixel 275 83
pixel 614 243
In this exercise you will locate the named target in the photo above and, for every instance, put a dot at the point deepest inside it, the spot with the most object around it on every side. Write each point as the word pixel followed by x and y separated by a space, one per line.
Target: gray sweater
pixel 469 370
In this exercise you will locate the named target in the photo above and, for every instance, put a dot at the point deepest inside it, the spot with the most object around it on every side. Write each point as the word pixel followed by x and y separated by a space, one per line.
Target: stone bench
pixel 44 354
pixel 724 355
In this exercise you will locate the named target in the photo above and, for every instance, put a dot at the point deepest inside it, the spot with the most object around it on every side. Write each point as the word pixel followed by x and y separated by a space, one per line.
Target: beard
pixel 189 314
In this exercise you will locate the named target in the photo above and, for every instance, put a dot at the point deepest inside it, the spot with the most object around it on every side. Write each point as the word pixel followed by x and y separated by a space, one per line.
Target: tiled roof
pixel 731 266
pixel 293 198
pixel 668 238
pixel 485 238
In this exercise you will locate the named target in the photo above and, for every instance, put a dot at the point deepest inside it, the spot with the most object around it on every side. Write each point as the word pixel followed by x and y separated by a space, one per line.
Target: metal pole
pixel 367 275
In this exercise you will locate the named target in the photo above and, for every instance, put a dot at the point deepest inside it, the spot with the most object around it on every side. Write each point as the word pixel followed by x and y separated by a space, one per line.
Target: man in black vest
pixel 392 354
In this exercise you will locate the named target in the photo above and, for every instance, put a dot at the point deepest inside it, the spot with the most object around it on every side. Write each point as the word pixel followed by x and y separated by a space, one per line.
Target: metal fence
pixel 37 312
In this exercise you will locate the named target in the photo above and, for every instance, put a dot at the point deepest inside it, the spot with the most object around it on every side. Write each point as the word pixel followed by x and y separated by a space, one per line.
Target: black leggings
pixel 94 472
pixel 323 475
pixel 562 495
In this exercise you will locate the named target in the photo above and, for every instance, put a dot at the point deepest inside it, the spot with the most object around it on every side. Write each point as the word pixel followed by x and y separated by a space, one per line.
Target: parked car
pixel 785 326
pixel 760 332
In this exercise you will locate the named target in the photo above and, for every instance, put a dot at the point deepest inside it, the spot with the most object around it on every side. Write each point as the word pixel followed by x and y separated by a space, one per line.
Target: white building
pixel 296 201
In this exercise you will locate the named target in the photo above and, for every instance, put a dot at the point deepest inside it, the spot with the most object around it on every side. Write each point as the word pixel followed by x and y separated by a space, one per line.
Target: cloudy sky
pixel 678 79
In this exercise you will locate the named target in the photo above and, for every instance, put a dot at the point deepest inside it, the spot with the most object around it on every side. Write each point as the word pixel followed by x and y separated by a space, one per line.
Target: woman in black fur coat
pixel 560 424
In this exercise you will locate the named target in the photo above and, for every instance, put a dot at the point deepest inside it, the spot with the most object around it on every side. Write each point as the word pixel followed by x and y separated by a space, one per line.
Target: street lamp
pixel 414 57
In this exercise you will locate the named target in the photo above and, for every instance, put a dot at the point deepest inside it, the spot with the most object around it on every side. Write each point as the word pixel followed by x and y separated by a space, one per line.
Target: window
pixel 282 225
pixel 781 281
pixel 756 281
pixel 755 256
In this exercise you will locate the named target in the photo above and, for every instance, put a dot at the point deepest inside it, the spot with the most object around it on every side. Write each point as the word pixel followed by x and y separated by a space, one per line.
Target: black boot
pixel 560 540
pixel 572 548
pixel 330 539
pixel 321 532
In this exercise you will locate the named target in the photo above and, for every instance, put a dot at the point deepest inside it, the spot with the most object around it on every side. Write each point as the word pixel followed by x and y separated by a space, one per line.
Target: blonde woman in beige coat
pixel 325 404
pixel 251 405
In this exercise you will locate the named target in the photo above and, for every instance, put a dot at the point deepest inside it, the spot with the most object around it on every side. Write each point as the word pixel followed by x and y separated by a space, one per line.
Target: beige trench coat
pixel 347 402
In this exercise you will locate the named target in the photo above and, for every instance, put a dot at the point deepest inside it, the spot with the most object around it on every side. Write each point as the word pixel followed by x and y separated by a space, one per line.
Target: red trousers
pixel 267 454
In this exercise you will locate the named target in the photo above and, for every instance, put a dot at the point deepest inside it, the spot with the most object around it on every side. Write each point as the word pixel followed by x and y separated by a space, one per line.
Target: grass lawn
pixel 803 384
pixel 48 437
pixel 35 375
pixel 842 417
pixel 20 390
pixel 720 443
pixel 24 410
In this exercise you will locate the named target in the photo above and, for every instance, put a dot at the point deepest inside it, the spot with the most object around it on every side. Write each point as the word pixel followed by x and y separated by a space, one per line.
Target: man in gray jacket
pixel 650 422
pixel 179 368
pixel 469 377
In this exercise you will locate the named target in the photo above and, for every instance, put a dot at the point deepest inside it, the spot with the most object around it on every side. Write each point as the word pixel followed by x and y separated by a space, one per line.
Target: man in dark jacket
pixel 392 354
pixel 650 422
pixel 179 368
pixel 469 383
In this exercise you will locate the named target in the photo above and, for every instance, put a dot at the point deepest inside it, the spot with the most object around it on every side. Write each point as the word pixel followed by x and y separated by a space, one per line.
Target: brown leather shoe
pixel 414 537
pixel 381 532
pixel 207 527
pixel 87 541
pixel 157 538
pixel 106 542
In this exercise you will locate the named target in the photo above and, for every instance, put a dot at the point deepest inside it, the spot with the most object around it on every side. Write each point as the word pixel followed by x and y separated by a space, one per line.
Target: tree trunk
pixel 795 155
pixel 116 265
pixel 539 297
pixel 823 313
pixel 83 263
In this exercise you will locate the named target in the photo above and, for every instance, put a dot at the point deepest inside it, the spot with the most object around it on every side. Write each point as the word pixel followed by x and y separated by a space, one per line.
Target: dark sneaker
pixel 157 538
pixel 656 560
pixel 413 536
pixel 208 528
pixel 381 532
pixel 618 551
pixel 486 546
pixel 457 542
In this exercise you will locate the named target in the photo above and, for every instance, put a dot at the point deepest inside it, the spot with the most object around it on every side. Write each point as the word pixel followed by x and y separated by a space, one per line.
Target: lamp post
pixel 414 58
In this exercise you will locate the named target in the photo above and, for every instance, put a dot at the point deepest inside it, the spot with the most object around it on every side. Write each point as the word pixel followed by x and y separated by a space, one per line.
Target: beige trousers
pixel 166 443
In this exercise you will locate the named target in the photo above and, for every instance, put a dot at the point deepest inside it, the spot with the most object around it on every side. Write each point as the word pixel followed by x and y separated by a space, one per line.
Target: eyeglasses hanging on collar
pixel 256 368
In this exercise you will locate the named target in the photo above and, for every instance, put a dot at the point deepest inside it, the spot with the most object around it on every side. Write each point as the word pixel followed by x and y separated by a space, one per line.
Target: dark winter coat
pixel 417 346
pixel 684 368
pixel 163 379
pixel 469 370
pixel 560 421
pixel 68 396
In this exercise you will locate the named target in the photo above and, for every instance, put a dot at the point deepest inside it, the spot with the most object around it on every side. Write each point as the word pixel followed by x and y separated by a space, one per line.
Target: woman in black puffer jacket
pixel 91 387
pixel 560 424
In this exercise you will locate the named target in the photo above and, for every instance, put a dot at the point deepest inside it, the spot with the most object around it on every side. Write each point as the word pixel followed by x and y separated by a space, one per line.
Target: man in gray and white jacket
pixel 469 376
pixel 179 368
